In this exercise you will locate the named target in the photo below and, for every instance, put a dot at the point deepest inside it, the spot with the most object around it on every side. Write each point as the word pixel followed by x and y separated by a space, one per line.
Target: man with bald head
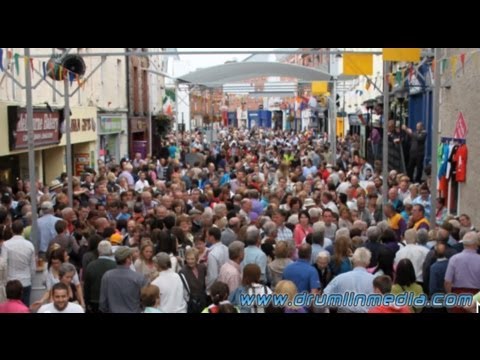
pixel 229 235
pixel 357 281
pixel 463 271
pixel 302 273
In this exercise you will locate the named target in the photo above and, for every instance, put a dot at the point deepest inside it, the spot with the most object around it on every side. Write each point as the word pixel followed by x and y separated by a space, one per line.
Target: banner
pixel 357 64
pixel 405 54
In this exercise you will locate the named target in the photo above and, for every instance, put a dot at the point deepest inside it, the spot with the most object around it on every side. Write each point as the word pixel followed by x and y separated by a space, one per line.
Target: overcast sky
pixel 192 62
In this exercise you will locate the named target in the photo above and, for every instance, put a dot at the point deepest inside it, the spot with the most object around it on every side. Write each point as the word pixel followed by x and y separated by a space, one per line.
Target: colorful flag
pixel 357 64
pixel 461 128
pixel 368 84
pixel 462 60
pixel 405 54
pixel 453 62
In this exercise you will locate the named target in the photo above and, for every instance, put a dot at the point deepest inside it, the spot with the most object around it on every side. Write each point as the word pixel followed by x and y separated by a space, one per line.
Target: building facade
pixel 100 95
pixel 459 93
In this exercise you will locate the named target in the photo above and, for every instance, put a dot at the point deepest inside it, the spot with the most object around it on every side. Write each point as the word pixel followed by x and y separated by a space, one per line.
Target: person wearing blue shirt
pixel 302 273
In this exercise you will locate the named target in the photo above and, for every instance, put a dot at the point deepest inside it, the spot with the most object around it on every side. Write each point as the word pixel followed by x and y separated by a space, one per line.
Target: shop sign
pixel 110 124
pixel 138 124
pixel 46 127
pixel 81 125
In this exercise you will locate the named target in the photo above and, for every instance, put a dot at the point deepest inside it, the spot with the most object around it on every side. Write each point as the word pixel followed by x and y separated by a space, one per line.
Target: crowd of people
pixel 255 212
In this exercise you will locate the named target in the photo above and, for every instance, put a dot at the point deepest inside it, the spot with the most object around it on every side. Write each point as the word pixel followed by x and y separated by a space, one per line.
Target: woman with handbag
pixel 193 276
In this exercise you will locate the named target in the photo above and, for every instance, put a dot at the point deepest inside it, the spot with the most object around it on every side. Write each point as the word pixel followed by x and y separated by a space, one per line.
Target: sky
pixel 190 63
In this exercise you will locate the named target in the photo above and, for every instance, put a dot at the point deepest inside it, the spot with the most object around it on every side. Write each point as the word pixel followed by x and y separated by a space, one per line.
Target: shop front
pixel 14 141
pixel 84 139
pixel 111 131
pixel 138 136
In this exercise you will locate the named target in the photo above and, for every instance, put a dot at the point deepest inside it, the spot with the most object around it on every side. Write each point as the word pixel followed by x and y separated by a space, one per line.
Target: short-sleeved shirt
pixel 303 275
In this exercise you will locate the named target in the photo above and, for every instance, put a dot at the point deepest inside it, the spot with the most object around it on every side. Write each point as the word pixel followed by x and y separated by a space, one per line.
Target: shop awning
pixel 218 75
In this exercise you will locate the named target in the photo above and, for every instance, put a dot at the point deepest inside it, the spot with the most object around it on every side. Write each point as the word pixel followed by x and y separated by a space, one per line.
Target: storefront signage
pixel 46 127
pixel 77 125
pixel 110 125
pixel 138 124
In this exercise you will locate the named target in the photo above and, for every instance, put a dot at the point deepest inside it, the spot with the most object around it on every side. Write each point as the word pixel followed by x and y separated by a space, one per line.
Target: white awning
pixel 216 76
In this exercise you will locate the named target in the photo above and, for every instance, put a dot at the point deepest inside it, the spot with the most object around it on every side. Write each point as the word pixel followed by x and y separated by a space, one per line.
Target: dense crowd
pixel 254 212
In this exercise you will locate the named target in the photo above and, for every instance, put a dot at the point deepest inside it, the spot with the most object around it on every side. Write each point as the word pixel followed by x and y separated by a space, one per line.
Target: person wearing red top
pixel 14 304
pixel 383 285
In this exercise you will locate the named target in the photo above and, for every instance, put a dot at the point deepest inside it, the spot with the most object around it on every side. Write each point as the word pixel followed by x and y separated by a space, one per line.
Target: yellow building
pixel 50 140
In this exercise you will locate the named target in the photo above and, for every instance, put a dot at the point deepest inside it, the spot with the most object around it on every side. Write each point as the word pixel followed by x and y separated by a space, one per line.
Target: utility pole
pixel 333 119
pixel 31 151
pixel 435 123
pixel 66 114
pixel 386 105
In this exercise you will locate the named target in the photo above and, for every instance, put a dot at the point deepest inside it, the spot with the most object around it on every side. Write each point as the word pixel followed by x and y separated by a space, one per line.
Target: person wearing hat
pixel 55 186
pixel 120 288
pixel 308 203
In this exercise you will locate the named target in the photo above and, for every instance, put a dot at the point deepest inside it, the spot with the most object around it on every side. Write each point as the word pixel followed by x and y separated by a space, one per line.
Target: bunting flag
pixel 44 68
pixel 411 71
pixel 444 65
pixel 391 79
pixel 475 59
pixel 357 64
pixel 9 54
pixel 17 63
pixel 32 67
pixel 319 87
pixel 368 84
pixel 434 64
pixel 71 77
pixel 405 54
pixel 1 59
pixel 462 60
pixel 399 77
pixel 77 78
pixel 453 62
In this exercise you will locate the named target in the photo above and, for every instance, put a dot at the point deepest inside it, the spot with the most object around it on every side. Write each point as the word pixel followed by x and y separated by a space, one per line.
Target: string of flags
pixel 57 70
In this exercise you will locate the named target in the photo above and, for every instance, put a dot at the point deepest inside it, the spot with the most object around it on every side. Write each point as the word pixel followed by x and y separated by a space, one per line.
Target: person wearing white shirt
pixel 21 264
pixel 60 304
pixel 141 182
pixel 415 253
pixel 172 292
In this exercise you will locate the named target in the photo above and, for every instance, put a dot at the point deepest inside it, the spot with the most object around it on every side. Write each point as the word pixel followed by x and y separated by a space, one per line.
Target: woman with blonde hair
pixel 276 267
pixel 193 276
pixel 144 264
pixel 287 287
